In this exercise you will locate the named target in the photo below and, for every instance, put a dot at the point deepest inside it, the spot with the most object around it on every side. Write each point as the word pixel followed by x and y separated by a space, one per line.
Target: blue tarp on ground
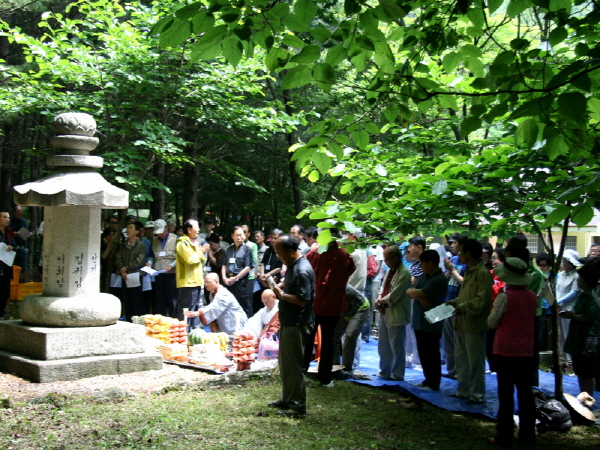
pixel 369 364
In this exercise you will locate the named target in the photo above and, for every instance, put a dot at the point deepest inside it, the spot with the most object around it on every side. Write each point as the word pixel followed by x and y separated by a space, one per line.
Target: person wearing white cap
pixel 567 292
pixel 513 315
pixel 164 247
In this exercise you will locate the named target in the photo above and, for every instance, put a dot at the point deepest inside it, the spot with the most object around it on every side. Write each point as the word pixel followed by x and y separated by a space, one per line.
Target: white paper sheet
pixel 24 233
pixel 7 257
pixel 438 313
pixel 115 280
pixel 150 271
pixel 133 280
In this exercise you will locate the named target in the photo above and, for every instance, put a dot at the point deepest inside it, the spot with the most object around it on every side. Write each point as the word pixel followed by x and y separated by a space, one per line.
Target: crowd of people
pixel 323 302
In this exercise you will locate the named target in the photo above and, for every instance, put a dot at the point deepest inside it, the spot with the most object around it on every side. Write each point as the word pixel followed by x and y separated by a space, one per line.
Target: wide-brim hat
pixel 572 256
pixel 159 226
pixel 514 271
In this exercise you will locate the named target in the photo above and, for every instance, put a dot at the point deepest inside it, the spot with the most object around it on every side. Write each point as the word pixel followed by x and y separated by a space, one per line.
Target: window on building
pixel 571 243
pixel 532 242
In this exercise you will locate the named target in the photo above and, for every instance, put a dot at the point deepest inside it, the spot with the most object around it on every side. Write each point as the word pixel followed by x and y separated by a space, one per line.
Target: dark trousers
pixel 239 289
pixel 165 295
pixel 132 301
pixel 489 349
pixel 428 345
pixel 5 287
pixel 328 325
pixel 515 371
pixel 190 298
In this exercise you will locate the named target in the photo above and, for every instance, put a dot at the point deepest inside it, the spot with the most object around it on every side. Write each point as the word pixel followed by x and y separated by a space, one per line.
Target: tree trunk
pixel 294 175
pixel 191 176
pixel 6 184
pixel 157 209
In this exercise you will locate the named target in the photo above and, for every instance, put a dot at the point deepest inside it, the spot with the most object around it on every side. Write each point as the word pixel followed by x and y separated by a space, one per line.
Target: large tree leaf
pixel 307 55
pixel 527 133
pixel 296 77
pixel 582 215
pixel 232 50
pixel 305 10
pixel 557 216
pixel 322 162
pixel 336 55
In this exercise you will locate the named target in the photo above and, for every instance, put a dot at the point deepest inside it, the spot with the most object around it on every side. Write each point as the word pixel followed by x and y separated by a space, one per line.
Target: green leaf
pixel 306 10
pixel 313 176
pixel 276 58
pixel 474 65
pixel 391 9
pixel 380 170
pixel 206 51
pixel 558 215
pixel 557 146
pixel 475 15
pixel 296 77
pixel 295 23
pixel 324 237
pixel 572 105
pixel 469 125
pixel 322 162
pixel 366 43
pixel 350 227
pixel 370 127
pixel 336 55
pixel 360 138
pixel 291 40
pixel 202 22
pixel 593 105
pixel 471 50
pixel 527 132
pixel 320 34
pixel 516 7
pixel 324 75
pixel 346 187
pixel 332 209
pixel 447 101
pixel 557 35
pixel 318 216
pixel 557 5
pixel 493 5
pixel 450 61
pixel 460 193
pixel 232 50
pixel 582 215
pixel 439 188
pixel 176 34
pixel 307 55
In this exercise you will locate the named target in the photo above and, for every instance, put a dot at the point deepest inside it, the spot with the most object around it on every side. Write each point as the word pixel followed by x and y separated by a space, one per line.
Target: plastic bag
pixel 268 348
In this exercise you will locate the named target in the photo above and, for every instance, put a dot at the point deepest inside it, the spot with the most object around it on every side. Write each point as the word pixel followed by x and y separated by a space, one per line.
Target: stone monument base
pixel 44 355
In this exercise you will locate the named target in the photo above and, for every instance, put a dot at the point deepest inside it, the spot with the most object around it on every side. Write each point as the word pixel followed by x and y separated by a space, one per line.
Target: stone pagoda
pixel 71 330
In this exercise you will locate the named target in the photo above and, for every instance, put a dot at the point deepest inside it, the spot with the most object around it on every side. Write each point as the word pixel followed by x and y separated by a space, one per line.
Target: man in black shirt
pixel 296 319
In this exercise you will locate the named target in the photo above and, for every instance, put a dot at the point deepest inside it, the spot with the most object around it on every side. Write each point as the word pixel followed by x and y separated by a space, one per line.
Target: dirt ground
pixel 20 390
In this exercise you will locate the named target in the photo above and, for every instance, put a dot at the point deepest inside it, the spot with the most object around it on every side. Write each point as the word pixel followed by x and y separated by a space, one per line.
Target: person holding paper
pixel 6 237
pixel 429 292
pixel 473 306
pixel 129 259
pixel 189 270
pixel 164 247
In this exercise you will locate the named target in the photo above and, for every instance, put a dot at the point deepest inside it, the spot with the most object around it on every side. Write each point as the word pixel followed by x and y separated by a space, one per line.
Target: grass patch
pixel 350 416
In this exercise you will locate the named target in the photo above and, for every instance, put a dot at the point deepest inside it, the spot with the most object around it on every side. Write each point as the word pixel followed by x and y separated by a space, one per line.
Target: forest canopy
pixel 387 115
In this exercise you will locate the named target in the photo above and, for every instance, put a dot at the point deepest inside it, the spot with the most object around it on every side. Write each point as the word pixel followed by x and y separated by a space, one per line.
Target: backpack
pixel 551 413
pixel 371 266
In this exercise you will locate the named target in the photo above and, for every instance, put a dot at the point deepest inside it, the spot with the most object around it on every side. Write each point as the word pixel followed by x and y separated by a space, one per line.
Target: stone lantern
pixel 71 321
